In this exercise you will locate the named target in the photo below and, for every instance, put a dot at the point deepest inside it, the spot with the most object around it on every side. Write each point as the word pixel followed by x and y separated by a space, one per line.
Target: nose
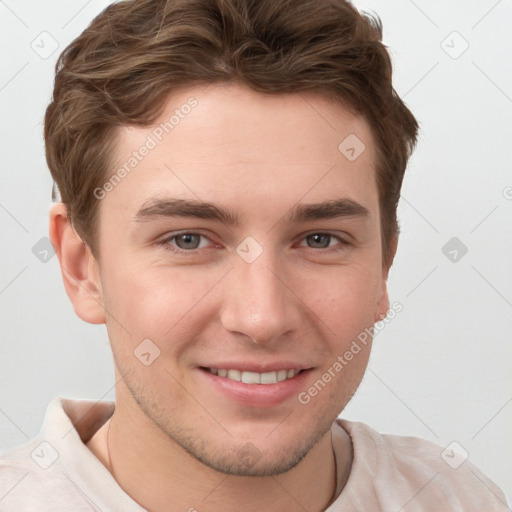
pixel 258 301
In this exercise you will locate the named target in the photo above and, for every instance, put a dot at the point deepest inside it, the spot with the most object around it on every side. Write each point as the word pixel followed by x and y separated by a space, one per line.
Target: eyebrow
pixel 335 208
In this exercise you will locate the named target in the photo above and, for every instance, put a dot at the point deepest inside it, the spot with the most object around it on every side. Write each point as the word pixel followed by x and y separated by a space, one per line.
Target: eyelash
pixel 166 245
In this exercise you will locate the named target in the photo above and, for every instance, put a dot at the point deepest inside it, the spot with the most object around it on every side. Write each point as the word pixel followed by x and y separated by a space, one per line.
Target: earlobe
pixel 78 266
pixel 382 308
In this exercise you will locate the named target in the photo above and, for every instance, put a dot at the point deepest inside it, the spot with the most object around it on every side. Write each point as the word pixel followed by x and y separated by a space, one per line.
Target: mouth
pixel 250 388
pixel 247 377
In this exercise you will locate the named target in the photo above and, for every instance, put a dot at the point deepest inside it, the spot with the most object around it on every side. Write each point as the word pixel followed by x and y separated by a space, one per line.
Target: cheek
pixel 154 302
pixel 344 298
pixel 162 303
pixel 346 308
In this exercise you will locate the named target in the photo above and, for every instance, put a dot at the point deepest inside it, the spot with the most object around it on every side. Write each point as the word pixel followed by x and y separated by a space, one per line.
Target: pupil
pixel 187 241
pixel 320 240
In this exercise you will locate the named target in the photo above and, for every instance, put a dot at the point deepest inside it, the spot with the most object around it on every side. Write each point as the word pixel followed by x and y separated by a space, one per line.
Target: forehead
pixel 226 143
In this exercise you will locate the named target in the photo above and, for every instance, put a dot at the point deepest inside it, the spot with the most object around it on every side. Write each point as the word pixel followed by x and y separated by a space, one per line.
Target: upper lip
pixel 257 367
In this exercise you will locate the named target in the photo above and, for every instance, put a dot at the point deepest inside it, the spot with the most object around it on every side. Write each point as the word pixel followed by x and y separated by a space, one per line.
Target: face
pixel 244 247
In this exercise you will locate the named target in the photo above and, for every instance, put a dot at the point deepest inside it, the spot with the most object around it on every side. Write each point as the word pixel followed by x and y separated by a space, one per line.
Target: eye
pixel 185 242
pixel 321 240
pixel 190 241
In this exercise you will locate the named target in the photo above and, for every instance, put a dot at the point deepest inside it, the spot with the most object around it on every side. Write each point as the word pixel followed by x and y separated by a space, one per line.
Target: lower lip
pixel 257 395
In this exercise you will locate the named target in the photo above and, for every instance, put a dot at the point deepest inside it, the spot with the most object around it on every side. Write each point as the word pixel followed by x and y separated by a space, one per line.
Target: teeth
pixel 250 377
pixel 234 375
pixel 281 375
pixel 255 377
pixel 268 378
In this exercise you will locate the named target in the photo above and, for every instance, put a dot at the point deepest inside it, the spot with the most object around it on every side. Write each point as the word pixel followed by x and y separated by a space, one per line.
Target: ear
pixel 382 308
pixel 79 268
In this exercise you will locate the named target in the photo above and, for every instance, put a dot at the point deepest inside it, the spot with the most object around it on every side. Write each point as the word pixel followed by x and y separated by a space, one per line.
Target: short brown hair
pixel 122 68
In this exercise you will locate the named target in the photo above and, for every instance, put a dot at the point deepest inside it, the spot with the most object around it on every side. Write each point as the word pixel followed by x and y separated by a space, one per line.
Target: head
pixel 229 174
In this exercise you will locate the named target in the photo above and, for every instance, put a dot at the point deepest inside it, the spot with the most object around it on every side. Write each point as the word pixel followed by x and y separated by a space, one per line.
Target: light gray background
pixel 441 369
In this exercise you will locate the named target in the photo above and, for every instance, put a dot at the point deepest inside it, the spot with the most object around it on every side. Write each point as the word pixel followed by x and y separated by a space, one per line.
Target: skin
pixel 174 438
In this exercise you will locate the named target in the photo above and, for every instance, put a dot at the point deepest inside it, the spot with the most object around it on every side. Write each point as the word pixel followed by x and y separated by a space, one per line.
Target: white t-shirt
pixel 56 472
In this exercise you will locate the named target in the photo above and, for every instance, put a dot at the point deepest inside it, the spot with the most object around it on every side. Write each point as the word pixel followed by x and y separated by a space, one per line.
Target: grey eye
pixel 319 240
pixel 188 241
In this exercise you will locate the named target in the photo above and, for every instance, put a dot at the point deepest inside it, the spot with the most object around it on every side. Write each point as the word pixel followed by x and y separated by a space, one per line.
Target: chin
pixel 248 460
pixel 249 452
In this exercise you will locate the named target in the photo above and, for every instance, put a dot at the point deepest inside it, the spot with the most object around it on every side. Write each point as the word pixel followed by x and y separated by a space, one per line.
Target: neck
pixel 155 472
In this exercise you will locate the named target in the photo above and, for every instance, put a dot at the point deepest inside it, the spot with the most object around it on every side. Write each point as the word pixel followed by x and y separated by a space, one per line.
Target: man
pixel 229 173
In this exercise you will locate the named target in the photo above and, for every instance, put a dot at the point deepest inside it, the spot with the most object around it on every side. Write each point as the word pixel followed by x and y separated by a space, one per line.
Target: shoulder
pixel 31 478
pixel 54 470
pixel 417 474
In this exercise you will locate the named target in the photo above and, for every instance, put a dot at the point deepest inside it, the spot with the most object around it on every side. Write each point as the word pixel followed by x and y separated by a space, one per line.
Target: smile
pixel 255 377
